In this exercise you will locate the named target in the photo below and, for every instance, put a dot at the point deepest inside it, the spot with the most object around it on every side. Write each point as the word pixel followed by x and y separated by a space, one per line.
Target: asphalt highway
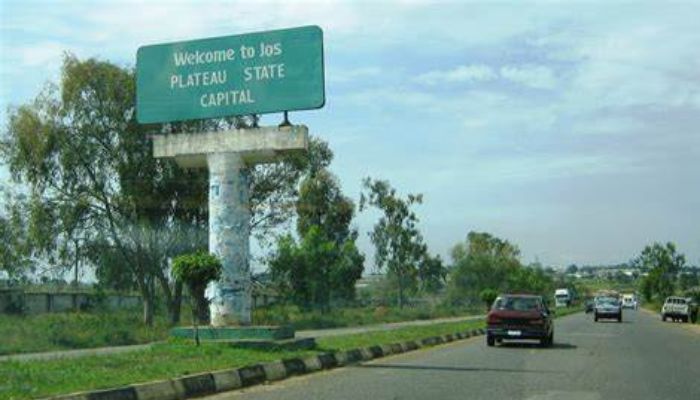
pixel 641 358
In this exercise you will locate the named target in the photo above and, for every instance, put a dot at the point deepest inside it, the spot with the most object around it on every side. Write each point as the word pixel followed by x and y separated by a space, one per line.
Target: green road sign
pixel 254 73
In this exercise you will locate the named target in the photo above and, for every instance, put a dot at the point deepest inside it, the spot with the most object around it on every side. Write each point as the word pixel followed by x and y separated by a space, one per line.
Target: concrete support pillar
pixel 226 154
pixel 229 232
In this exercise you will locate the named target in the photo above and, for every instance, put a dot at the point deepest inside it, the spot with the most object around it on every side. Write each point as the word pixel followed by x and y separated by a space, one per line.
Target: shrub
pixel 196 270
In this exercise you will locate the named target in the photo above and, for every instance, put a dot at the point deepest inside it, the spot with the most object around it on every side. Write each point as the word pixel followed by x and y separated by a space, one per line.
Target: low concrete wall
pixel 32 303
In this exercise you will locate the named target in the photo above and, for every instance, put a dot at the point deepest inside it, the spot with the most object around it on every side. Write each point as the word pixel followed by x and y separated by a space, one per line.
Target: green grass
pixel 66 331
pixel 653 306
pixel 46 332
pixel 31 379
pixel 346 342
pixel 561 312
pixel 351 316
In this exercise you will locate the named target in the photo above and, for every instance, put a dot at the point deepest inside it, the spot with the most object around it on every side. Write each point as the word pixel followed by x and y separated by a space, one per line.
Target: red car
pixel 519 316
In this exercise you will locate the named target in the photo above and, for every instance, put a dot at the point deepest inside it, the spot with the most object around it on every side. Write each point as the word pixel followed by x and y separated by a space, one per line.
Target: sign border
pixel 323 73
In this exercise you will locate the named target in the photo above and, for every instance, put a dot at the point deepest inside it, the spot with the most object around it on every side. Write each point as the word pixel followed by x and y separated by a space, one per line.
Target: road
pixel 641 358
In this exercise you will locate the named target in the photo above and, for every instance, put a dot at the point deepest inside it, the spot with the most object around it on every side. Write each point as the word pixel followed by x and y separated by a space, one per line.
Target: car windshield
pixel 607 301
pixel 516 303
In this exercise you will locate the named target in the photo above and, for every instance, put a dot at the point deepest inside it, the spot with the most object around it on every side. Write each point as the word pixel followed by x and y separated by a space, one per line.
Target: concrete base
pixel 236 333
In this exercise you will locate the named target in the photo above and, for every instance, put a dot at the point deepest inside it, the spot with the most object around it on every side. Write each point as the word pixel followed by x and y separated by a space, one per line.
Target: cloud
pixel 534 76
pixel 530 75
pixel 466 102
pixel 39 54
pixel 341 75
pixel 462 73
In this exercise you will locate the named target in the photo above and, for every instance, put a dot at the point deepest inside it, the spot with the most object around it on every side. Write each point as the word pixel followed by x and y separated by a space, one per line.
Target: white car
pixel 678 308
pixel 629 301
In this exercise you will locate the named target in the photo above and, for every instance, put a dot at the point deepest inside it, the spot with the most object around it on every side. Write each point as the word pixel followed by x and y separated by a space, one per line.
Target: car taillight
pixel 536 321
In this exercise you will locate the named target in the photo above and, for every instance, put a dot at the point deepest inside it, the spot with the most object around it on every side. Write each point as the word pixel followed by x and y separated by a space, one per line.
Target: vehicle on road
pixel 519 316
pixel 607 308
pixel 589 305
pixel 679 309
pixel 562 298
pixel 629 301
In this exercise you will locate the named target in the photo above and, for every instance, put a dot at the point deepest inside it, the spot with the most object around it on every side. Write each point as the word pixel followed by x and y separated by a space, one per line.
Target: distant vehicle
pixel 629 301
pixel 589 306
pixel 519 316
pixel 607 308
pixel 562 298
pixel 679 309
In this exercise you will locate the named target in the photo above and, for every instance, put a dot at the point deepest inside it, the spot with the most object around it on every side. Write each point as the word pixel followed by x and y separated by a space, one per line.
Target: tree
pixel 431 273
pixel 688 280
pixel 274 188
pixel 196 270
pixel 88 166
pixel 15 252
pixel 321 203
pixel 483 262
pixel 397 240
pixel 326 263
pixel 572 269
pixel 94 184
pixel 663 263
pixel 488 296
pixel 154 247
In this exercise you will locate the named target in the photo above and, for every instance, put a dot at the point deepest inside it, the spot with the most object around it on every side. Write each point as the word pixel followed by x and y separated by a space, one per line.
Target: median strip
pixel 207 383
pixel 166 365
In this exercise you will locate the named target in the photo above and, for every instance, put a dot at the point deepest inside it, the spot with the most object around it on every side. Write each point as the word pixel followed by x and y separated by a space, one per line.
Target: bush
pixel 488 296
pixel 196 270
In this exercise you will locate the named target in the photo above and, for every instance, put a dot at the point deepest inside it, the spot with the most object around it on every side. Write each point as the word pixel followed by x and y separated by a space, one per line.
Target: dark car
pixel 607 307
pixel 517 316
pixel 589 306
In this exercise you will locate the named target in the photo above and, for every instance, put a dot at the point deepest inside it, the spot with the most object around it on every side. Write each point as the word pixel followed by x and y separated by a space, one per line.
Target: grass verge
pixel 63 331
pixel 31 379
pixel 561 312
pixel 67 331
pixel 352 316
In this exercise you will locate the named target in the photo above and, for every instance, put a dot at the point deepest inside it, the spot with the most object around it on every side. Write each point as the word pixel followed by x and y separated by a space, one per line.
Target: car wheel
pixel 490 341
pixel 595 318
pixel 663 317
pixel 619 318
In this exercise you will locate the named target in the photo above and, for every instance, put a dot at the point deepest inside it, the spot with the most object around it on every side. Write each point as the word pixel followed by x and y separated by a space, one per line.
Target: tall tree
pixel 396 237
pixel 326 263
pixel 664 263
pixel 15 257
pixel 88 166
pixel 482 262
pixel 431 273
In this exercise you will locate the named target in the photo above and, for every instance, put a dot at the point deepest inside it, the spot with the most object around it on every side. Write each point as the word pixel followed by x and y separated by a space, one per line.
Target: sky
pixel 569 128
